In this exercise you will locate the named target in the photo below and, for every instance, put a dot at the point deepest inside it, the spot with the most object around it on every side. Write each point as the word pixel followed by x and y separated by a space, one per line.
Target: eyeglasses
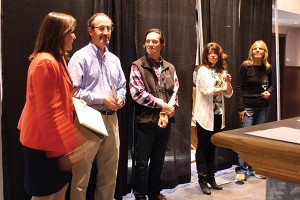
pixel 102 28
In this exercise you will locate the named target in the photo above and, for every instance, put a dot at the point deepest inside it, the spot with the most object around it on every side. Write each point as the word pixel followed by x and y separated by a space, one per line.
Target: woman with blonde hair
pixel 254 87
pixel 212 84
pixel 46 124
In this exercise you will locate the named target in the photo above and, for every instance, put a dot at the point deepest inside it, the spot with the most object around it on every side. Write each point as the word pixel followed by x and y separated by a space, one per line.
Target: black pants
pixel 205 152
pixel 151 144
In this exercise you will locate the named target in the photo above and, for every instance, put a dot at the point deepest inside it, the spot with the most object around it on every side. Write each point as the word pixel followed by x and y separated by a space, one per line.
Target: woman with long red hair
pixel 212 84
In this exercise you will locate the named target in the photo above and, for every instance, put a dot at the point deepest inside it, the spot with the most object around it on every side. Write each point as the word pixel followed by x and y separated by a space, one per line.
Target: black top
pixel 249 86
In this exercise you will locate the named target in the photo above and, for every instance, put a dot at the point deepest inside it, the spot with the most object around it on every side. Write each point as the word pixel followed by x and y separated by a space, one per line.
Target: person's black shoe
pixel 213 183
pixel 204 188
pixel 202 178
pixel 215 186
pixel 211 176
pixel 140 197
pixel 159 197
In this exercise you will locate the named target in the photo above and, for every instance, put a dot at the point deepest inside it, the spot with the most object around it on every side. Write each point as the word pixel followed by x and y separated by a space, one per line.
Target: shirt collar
pixel 154 63
pixel 97 51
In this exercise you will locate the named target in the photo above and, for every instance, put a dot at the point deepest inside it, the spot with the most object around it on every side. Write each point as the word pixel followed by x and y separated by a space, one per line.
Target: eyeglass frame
pixel 110 29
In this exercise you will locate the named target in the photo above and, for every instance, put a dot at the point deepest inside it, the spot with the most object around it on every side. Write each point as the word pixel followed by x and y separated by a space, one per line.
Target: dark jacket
pixel 163 91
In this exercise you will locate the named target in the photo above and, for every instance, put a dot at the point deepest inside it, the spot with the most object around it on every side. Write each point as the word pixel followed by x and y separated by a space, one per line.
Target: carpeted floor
pixel 252 189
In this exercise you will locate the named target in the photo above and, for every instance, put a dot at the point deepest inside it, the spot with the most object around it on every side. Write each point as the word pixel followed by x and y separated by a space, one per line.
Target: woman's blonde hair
pixel 53 30
pixel 265 59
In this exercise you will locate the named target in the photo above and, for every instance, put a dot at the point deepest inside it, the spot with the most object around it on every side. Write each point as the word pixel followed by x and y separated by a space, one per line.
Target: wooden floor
pixel 252 189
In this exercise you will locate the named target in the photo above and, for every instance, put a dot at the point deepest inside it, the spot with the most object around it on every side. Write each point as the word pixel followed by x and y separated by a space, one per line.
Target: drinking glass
pixel 264 84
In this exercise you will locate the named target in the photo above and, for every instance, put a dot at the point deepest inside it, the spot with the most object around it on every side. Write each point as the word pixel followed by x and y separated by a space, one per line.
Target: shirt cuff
pixel 98 99
pixel 160 102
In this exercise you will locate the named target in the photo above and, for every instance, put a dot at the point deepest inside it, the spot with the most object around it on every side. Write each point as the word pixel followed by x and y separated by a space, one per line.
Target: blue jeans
pixel 257 116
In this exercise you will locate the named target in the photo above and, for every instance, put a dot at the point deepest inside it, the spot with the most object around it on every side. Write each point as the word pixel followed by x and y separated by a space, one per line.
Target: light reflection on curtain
pixel 199 29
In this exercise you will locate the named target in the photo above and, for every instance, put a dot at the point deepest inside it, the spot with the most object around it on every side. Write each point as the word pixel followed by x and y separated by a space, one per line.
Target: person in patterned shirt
pixel 212 84
pixel 153 87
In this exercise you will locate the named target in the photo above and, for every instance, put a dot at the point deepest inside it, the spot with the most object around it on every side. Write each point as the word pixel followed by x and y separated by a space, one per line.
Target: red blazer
pixel 46 122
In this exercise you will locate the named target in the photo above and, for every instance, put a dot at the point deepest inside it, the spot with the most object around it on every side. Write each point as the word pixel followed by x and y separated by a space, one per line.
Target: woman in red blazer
pixel 46 124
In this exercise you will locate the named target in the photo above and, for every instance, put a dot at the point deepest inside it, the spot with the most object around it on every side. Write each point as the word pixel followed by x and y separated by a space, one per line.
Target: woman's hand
pixel 242 115
pixel 227 84
pixel 266 95
pixel 83 102
pixel 227 78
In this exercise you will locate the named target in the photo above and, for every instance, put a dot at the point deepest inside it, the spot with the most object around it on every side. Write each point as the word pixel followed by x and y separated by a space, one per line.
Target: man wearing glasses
pixel 99 80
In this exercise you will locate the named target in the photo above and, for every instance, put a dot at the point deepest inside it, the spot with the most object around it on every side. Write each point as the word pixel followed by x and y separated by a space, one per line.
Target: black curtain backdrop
pixel 177 20
pixel 221 25
pixel 256 24
pixel 235 25
pixel 21 20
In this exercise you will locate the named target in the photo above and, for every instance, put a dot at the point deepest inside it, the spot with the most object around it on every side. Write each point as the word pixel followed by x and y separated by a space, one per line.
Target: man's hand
pixel 120 102
pixel 163 121
pixel 112 104
pixel 170 110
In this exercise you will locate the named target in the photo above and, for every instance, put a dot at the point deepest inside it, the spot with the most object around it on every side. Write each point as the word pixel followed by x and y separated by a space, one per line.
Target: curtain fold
pixel 235 25
pixel 221 25
pixel 177 21
pixel 256 24
pixel 132 18
pixel 17 46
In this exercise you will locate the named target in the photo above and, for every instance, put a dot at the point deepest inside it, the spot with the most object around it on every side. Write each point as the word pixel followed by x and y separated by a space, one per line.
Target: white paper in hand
pixel 89 117
pixel 113 88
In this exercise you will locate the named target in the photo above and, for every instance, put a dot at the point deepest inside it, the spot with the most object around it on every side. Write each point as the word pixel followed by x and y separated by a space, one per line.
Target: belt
pixel 108 112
